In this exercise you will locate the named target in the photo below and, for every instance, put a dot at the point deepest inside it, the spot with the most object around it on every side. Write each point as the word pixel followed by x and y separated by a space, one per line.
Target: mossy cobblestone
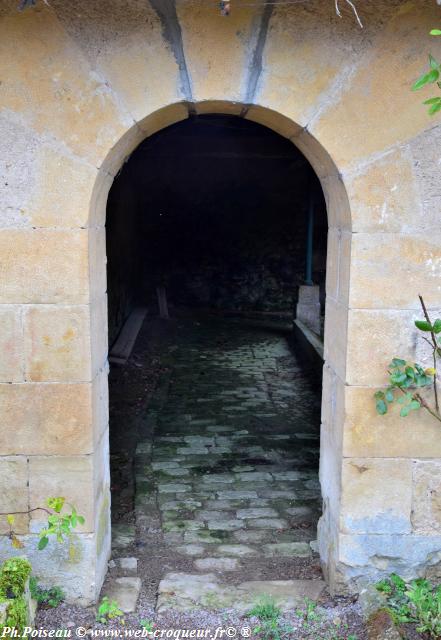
pixel 232 481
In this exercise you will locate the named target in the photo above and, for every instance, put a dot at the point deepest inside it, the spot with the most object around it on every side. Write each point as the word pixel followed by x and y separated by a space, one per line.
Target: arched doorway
pixel 226 220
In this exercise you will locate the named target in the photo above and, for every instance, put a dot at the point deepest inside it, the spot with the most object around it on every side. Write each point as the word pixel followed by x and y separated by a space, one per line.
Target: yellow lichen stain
pixel 69 334
pixel 75 551
pixel 47 340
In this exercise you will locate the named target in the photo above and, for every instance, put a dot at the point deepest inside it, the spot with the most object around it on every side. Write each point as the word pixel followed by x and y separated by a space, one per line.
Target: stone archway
pixel 337 280
pixel 68 125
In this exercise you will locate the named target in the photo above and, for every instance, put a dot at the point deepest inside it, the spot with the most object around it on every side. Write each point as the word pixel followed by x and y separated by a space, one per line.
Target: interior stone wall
pixel 214 208
pixel 82 84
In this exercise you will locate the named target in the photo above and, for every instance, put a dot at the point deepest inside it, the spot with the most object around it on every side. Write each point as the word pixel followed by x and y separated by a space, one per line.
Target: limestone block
pixel 368 434
pixel 338 265
pixel 336 333
pixel 376 495
pixel 217 50
pixel 75 559
pixel 424 151
pixel 125 42
pixel 62 98
pixel 219 106
pixel 366 558
pixel 55 176
pixel 46 419
pixel 11 344
pixel 273 120
pixel 44 266
pixel 98 333
pixel 97 262
pixel 350 133
pixel 57 343
pixel 374 338
pixel 336 197
pixel 390 270
pixel 100 192
pixel 296 35
pixel 163 117
pixel 14 492
pixel 67 476
pixel 100 404
pixel 384 195
pixel 426 501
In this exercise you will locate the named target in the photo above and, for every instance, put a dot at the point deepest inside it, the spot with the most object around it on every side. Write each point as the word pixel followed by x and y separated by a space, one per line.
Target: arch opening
pixel 224 222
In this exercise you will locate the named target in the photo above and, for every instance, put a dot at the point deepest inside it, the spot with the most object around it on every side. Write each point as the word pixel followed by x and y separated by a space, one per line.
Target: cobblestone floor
pixel 232 467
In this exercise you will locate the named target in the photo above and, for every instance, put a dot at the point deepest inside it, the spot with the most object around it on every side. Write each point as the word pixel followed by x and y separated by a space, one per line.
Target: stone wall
pixel 82 84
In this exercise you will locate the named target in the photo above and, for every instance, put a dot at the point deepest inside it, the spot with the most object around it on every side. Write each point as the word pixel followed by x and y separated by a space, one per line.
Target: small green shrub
pixel 417 602
pixel 268 615
pixel 109 610
pixel 13 575
pixel 47 598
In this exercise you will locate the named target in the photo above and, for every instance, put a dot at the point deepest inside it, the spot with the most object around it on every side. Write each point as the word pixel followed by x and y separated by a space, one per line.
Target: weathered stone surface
pixel 244 514
pixel 57 344
pixel 288 549
pixel 236 550
pixel 128 566
pixel 217 564
pixel 50 475
pixel 46 419
pixel 182 592
pixel 31 257
pixel 14 491
pixel 125 591
pixel 376 496
pixel 426 497
pixel 11 344
pixel 123 535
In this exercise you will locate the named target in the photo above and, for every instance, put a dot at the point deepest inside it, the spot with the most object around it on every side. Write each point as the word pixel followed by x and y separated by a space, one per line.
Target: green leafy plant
pixel 268 615
pixel 309 613
pixel 46 598
pixel 59 525
pixel 148 625
pixel 406 379
pixel 431 76
pixel 14 574
pixel 109 610
pixel 426 606
pixel 394 588
pixel 418 602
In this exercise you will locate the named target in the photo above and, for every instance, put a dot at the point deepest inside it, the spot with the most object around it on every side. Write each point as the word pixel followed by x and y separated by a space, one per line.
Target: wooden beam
pixel 123 345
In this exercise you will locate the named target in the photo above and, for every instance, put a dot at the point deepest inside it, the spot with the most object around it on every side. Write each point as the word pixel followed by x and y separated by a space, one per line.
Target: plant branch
pixel 435 348
pixel 23 513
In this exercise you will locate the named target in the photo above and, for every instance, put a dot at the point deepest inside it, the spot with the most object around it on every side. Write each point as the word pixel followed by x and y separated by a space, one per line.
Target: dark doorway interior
pixel 215 208
pixel 215 400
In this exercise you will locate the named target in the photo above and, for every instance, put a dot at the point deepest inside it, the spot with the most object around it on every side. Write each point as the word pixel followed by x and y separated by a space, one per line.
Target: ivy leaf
pixel 389 395
pixel 43 543
pixel 10 519
pixel 432 101
pixel 427 78
pixel 81 519
pixel 423 325
pixel 405 411
pixel 410 373
pixel 398 378
pixel 415 405
pixel 397 362
pixel 430 371
pixel 381 407
pixel 437 323
pixel 435 108
pixel 435 32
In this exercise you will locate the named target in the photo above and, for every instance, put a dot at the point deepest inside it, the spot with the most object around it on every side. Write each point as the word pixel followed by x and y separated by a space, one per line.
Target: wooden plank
pixel 123 345
pixel 162 303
